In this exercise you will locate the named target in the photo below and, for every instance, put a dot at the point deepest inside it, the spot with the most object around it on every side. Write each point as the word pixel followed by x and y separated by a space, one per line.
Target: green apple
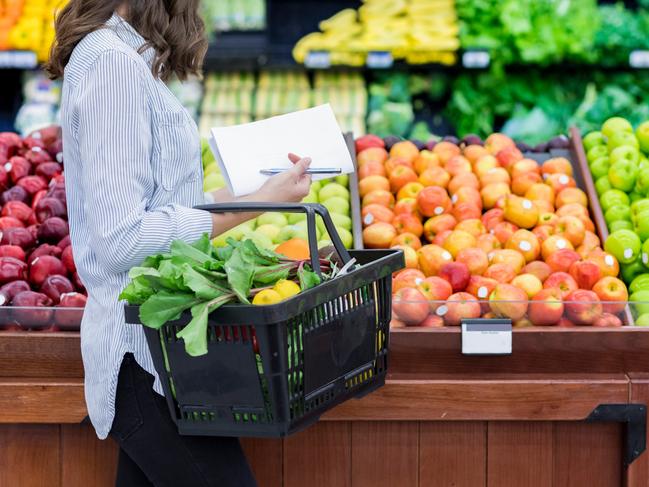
pixel 613 197
pixel 341 221
pixel 592 139
pixel 640 206
pixel 640 300
pixel 220 240
pixel 642 182
pixel 620 225
pixel 346 237
pixel 331 190
pixel 269 230
pixel 260 240
pixel 337 205
pixel 303 228
pixel 343 179
pixel 640 283
pixel 642 134
pixel 212 182
pixel 622 175
pixel 602 185
pixel 312 197
pixel 622 138
pixel 617 213
pixel 599 167
pixel 294 218
pixel 642 320
pixel 319 222
pixel 324 243
pixel 635 196
pixel 642 227
pixel 614 125
pixel 624 245
pixel 315 186
pixel 289 232
pixel 625 153
pixel 628 272
pixel 597 152
pixel 272 218
pixel 645 253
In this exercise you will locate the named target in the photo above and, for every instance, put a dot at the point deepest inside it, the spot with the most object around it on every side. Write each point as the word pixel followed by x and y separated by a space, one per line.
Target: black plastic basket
pixel 273 370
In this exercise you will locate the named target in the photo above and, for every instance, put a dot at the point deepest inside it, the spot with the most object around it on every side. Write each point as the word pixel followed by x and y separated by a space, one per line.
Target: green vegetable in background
pixel 201 278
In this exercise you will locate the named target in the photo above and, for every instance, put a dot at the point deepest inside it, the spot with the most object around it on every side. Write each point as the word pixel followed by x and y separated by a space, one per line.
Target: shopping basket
pixel 273 370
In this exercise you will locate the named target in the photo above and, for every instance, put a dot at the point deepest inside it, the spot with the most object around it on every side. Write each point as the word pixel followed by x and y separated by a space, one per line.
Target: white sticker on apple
pixel 59 157
pixel 563 179
pixel 454 198
pixel 609 260
pixel 628 253
pixel 446 255
pixel 645 258
pixel 439 210
pixel 37 136
pixel 369 218
pixel 8 166
pixel 525 246
pixel 418 281
pixel 483 292
pixel 36 149
pixel 561 244
pixel 442 310
pixel 527 204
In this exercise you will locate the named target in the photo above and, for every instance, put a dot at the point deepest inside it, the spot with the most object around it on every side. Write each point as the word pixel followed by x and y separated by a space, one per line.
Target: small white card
pixel 485 337
pixel 243 150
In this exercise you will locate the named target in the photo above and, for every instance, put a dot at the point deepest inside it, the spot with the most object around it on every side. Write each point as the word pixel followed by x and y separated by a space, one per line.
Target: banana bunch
pixel 419 31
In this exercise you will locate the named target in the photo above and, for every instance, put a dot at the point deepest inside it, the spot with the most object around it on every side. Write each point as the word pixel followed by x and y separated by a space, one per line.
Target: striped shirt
pixel 133 173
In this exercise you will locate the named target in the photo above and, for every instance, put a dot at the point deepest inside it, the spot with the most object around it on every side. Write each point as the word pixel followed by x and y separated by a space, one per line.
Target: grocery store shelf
pixel 18 60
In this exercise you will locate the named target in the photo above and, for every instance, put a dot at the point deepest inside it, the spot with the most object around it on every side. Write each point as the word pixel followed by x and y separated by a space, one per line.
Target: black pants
pixel 152 453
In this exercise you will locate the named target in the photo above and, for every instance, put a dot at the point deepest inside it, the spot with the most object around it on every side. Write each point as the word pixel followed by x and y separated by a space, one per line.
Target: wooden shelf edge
pixel 44 401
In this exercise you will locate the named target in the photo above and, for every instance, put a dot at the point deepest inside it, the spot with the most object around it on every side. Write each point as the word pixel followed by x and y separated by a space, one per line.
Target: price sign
pixel 487 337
pixel 476 59
pixel 318 60
pixel 379 60
pixel 18 60
pixel 639 59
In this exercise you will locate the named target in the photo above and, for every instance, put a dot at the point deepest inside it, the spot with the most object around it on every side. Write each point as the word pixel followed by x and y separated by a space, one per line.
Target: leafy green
pixel 202 278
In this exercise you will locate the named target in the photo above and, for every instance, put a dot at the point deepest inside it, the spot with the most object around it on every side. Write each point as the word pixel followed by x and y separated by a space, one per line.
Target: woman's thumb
pixel 301 166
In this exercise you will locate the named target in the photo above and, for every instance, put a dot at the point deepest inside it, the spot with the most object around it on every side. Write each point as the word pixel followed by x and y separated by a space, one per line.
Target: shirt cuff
pixel 192 224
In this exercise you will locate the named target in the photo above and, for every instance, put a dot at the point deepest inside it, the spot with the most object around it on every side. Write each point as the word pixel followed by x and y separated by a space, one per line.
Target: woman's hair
pixel 173 28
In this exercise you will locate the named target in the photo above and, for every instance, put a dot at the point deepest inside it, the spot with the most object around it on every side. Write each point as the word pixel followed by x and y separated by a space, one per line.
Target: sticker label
pixel 477 59
pixel 487 337
pixel 639 59
pixel 318 60
pixel 379 60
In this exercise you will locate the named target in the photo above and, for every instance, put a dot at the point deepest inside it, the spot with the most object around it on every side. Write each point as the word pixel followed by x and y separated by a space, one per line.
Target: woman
pixel 133 171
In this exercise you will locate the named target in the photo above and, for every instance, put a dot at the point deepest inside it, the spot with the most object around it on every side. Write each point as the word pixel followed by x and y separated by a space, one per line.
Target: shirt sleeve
pixel 115 144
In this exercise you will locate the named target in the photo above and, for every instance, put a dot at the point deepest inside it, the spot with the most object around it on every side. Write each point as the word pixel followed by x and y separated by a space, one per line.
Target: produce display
pixel 485 232
pixel 28 25
pixel 233 15
pixel 202 277
pixel 418 31
pixel 38 276
pixel 617 157
pixel 287 232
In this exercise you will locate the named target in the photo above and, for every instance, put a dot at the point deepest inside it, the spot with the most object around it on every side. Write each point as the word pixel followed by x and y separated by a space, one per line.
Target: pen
pixel 323 170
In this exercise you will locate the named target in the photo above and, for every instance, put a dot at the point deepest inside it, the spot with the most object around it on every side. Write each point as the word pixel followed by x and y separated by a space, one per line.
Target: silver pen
pixel 323 170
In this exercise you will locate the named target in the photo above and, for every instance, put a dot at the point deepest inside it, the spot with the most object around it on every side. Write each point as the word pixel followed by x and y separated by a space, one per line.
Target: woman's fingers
pixel 301 166
pixel 294 158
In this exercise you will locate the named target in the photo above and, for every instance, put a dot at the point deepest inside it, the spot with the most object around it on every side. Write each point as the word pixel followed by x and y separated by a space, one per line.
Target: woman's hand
pixel 288 187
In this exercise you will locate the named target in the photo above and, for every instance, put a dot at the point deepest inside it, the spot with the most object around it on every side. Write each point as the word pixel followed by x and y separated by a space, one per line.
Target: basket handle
pixel 311 209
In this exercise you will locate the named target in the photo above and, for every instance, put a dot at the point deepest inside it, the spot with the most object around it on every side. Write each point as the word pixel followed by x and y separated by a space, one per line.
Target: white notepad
pixel 243 150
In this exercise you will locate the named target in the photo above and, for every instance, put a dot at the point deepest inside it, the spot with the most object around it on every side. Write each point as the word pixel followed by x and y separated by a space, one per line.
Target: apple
pixel 400 176
pixel 546 308
pixel 495 175
pixel 375 213
pixel 440 238
pixel 459 240
pixel 432 321
pixel 474 152
pixel 614 197
pixel 467 211
pixel 487 242
pixel 625 153
pixel 435 176
pixel 492 218
pixel 583 307
pixel 525 166
pixel 406 206
pixel 614 125
pixel 507 256
pixel 562 282
pixel 405 149
pixel 425 160
pixel 596 152
pixel 269 230
pixel 571 195
pixel 466 180
pixel 508 156
pixel 508 301
pixel 459 306
pixel 622 175
pixel 565 323
pixel 272 219
pixel 341 221
pixel 622 138
pixel 642 134
pixel 643 320
pixel 343 180
pixel 526 243
pixel 608 320
pixel 585 274
pixel 331 190
pixel 529 283
pixel 410 306
pixel 624 245
pixel 503 273
pixel 602 185
pixel 559 182
pixel 445 151
pixel 606 262
pixel 594 138
pixel 617 213
pixel 395 323
pixel 492 193
pixel 554 243
pixel 521 184
pixel 407 239
pixel 639 301
pixel 571 228
pixel 410 256
pixel 475 259
pixel 436 290
pixel 432 201
pixel 520 211
pixel 640 283
pixel 406 278
pixel 613 293
pixel 431 259
pixel 473 226
pixel 409 190
pixel 540 192
pixel 467 194
pixel 457 274
pixel 599 167
pixel 503 231
pixel 562 259
pixel 481 287
pixel 366 141
pixel 539 269
pixel 485 164
pixel 337 204
pixel 371 154
pixel 438 224
pixel 497 142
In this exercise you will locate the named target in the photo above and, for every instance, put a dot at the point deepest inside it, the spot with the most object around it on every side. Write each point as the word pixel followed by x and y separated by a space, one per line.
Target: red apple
pixel 561 281
pixel 508 301
pixel 459 306
pixel 410 306
pixel 432 321
pixel 608 320
pixel 546 308
pixel 585 273
pixel 457 274
pixel 436 290
pixel 562 259
pixel 583 307
pixel 613 294
pixel 539 269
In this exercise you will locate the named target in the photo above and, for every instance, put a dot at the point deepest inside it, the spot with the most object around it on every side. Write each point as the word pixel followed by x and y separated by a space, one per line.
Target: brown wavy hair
pixel 173 28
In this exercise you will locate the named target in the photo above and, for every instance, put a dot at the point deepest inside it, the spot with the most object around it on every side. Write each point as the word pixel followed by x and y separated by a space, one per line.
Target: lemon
pixel 286 288
pixel 266 297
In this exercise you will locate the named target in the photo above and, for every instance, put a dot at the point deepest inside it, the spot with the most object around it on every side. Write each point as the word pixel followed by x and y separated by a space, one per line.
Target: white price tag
pixel 476 59
pixel 379 60
pixel 318 60
pixel 486 337
pixel 639 59
pixel 18 60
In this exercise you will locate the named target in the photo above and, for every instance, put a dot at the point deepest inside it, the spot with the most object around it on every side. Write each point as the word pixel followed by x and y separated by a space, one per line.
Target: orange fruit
pixel 295 248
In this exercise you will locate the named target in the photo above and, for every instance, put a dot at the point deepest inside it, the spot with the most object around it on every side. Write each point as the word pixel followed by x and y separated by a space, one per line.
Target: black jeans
pixel 152 453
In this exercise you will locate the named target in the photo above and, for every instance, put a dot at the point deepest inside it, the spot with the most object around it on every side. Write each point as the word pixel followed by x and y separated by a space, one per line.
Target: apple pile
pixel 487 233
pixel 617 157
pixel 37 267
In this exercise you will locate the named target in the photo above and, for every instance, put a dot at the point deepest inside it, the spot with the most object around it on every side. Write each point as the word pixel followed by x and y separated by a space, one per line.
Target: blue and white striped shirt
pixel 133 174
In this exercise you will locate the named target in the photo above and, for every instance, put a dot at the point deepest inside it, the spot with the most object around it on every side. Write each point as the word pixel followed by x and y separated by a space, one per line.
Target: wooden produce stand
pixel 566 409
